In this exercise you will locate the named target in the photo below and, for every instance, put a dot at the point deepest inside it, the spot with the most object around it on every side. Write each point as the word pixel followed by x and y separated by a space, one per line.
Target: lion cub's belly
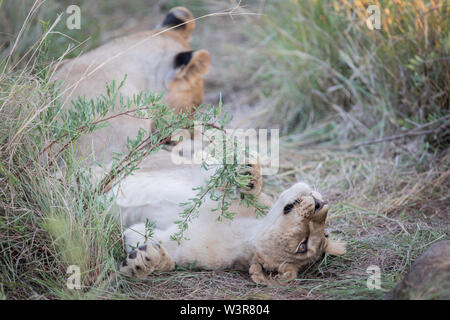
pixel 155 196
pixel 212 244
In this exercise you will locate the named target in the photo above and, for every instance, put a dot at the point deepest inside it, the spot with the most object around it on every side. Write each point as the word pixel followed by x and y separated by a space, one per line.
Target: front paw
pixel 286 273
pixel 257 275
pixel 145 260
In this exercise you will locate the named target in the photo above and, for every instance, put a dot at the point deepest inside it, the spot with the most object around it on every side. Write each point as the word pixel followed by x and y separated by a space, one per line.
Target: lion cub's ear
pixel 192 64
pixel 179 16
pixel 335 247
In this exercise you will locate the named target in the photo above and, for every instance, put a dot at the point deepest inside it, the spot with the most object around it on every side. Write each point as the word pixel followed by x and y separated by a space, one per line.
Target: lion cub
pixel 153 61
pixel 288 238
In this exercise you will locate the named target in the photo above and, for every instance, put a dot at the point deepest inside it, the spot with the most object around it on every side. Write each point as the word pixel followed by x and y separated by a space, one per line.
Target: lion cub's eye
pixel 302 247
pixel 287 208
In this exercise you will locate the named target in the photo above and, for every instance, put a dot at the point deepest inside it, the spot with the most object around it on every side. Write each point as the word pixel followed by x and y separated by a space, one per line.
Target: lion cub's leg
pixel 147 258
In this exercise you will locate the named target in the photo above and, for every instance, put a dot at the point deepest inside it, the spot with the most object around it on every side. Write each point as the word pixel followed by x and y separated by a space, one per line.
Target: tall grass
pixel 46 223
pixel 318 59
pixel 50 218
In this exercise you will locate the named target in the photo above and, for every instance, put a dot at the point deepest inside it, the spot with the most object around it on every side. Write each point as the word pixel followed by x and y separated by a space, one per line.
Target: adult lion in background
pixel 152 62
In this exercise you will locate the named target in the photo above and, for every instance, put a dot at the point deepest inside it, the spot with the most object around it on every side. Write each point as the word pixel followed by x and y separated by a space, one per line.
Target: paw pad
pixel 145 260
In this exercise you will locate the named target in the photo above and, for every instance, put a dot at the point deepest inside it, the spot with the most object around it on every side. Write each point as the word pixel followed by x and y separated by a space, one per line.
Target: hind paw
pixel 145 260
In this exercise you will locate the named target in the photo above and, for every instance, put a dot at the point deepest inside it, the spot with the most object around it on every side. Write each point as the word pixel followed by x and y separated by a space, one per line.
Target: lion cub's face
pixel 296 229
pixel 303 222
